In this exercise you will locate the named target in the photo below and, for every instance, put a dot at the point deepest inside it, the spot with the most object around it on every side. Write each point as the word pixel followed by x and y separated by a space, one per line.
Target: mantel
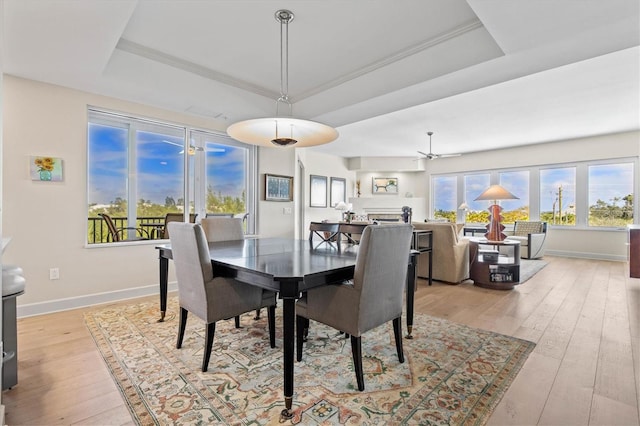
pixel 389 204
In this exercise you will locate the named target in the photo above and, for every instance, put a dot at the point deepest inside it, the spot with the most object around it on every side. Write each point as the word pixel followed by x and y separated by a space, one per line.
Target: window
pixel 589 194
pixel 474 185
pixel 444 198
pixel 516 182
pixel 558 196
pixel 137 170
pixel 611 195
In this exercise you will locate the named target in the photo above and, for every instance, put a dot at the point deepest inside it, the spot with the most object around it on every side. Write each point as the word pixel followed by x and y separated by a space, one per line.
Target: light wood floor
pixel 582 314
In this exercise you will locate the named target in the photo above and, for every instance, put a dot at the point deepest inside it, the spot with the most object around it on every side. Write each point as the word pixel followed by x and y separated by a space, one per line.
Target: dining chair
pixel 328 232
pixel 373 298
pixel 208 297
pixel 221 228
pixel 121 234
pixel 174 217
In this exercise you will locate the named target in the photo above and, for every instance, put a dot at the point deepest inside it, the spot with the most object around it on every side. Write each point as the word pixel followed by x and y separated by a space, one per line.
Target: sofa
pixel 450 253
pixel 531 235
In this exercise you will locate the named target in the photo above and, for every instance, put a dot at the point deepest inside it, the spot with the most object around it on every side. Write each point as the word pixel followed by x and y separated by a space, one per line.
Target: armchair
pixel 531 235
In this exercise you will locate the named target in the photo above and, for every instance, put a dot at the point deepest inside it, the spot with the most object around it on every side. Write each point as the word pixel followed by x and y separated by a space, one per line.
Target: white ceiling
pixel 480 74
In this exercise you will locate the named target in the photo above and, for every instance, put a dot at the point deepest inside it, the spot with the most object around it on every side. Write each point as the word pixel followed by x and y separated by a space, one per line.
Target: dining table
pixel 289 267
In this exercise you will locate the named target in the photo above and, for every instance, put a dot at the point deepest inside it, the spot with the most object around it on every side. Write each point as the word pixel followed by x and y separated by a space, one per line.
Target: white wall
pixel 273 221
pixel 323 165
pixel 412 192
pixel 47 220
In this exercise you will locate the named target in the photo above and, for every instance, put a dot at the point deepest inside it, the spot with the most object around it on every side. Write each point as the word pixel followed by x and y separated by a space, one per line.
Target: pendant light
pixel 283 131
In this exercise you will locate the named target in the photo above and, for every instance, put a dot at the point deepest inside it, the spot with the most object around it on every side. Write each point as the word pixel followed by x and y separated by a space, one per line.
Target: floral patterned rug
pixel 452 374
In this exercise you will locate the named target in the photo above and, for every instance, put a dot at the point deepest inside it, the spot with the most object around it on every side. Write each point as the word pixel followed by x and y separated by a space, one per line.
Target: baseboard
pixel 58 305
pixel 585 255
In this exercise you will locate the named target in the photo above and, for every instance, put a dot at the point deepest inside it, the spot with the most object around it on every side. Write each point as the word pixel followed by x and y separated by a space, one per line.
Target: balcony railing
pixel 99 233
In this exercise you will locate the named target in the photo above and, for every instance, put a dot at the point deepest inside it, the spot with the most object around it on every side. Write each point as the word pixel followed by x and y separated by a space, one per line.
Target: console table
pixel 494 264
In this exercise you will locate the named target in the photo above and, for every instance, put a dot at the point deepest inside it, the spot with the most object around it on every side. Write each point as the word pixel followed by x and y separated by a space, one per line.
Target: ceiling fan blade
pixel 423 153
pixel 173 143
pixel 449 155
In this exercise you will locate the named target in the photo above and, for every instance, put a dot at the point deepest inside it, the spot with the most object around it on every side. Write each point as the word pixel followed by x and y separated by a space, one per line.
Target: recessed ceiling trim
pixel 156 55
pixel 395 57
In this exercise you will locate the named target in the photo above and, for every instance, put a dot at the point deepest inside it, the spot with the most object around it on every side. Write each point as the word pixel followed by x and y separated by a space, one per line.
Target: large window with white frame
pixel 140 170
pixel 590 194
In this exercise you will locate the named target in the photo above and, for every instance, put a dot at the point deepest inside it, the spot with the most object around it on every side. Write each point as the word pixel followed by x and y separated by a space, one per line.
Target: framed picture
pixel 278 188
pixel 318 192
pixel 46 169
pixel 384 185
pixel 338 191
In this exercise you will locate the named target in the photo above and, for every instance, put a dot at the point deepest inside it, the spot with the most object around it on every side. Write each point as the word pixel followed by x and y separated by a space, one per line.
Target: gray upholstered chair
pixel 531 235
pixel 372 299
pixel 210 298
pixel 222 228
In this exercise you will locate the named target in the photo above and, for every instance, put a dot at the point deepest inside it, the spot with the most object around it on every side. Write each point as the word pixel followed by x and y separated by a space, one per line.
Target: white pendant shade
pixel 283 131
pixel 262 131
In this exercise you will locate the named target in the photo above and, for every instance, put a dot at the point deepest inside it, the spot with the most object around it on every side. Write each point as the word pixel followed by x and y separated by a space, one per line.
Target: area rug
pixel 530 267
pixel 452 374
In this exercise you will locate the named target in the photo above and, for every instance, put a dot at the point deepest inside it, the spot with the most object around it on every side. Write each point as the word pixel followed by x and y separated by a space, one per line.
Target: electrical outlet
pixel 54 274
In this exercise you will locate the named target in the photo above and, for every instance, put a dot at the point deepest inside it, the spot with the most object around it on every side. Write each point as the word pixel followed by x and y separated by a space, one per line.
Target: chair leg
pixel 397 332
pixel 208 344
pixel 305 330
pixel 237 319
pixel 181 327
pixel 356 350
pixel 300 327
pixel 271 319
pixel 257 317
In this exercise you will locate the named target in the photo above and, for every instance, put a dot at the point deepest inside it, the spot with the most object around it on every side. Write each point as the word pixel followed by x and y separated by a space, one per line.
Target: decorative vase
pixel 45 175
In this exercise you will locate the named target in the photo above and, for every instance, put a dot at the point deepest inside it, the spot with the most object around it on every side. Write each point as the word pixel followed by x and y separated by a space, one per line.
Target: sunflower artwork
pixel 46 169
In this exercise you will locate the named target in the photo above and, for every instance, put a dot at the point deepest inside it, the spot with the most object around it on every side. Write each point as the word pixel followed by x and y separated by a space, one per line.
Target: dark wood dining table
pixel 289 267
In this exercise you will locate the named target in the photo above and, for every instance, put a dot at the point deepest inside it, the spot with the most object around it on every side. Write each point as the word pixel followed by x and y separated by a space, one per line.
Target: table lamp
pixel 345 209
pixel 495 228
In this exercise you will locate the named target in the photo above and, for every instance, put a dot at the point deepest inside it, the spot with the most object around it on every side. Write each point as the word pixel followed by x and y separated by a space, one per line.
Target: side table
pixel 422 241
pixel 494 264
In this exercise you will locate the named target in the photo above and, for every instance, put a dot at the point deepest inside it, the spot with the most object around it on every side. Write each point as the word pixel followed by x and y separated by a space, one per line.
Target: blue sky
pixel 159 166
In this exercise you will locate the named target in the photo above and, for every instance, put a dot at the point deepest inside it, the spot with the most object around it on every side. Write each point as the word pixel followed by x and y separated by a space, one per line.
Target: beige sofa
pixel 450 253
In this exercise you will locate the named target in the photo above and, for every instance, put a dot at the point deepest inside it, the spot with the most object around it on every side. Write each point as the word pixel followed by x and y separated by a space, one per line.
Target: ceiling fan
pixel 193 148
pixel 431 155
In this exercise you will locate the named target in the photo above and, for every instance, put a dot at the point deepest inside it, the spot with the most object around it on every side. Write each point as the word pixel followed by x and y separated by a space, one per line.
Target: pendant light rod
pixel 284 17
